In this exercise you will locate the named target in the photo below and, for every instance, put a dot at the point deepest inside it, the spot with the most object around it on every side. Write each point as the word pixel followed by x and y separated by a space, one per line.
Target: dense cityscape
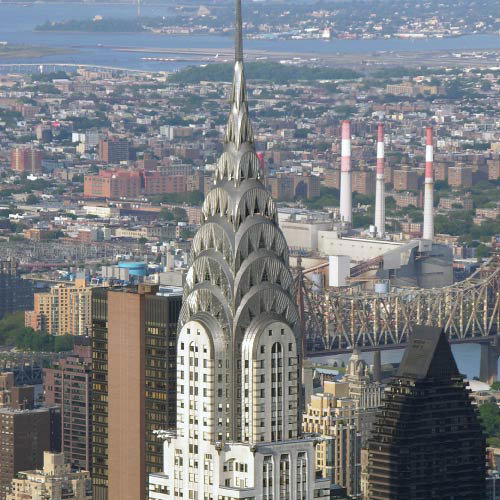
pixel 276 279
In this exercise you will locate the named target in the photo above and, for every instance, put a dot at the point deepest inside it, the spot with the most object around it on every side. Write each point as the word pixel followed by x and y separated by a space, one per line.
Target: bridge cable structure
pixel 337 320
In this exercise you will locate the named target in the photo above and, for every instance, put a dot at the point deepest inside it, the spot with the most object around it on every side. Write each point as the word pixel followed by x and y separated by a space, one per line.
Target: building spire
pixel 238 129
pixel 238 46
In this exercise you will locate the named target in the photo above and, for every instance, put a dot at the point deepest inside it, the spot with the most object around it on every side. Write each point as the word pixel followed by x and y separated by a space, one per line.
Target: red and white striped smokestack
pixel 380 184
pixel 345 175
pixel 429 187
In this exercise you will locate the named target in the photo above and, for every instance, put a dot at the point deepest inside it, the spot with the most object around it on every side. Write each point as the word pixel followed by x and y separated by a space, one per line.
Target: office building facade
pixel 24 435
pixel 16 294
pixel 68 383
pixel 134 387
pixel 427 442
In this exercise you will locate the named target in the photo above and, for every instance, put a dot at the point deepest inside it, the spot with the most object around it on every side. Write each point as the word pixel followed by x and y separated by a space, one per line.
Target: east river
pixel 17 24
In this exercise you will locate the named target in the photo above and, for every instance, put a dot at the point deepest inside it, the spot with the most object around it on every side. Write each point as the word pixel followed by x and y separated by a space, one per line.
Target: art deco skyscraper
pixel 239 346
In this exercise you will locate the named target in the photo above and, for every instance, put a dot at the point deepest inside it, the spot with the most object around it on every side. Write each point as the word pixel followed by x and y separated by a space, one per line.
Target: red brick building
pixel 68 384
pixel 26 160
pixel 114 151
pixel 113 184
pixel 158 183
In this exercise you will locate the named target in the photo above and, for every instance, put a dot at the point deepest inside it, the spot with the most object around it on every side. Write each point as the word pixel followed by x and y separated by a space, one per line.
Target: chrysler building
pixel 239 343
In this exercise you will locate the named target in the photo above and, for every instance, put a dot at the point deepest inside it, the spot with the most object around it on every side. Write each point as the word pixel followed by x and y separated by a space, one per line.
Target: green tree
pixel 32 199
pixel 489 414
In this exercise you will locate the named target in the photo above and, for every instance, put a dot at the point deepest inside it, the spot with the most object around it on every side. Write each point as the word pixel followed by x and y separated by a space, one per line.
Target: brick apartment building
pixel 69 384
pixel 114 151
pixel 122 183
pixel 26 160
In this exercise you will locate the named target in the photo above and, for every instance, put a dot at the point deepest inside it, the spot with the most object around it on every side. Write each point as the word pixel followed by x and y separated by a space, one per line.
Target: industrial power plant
pixel 374 259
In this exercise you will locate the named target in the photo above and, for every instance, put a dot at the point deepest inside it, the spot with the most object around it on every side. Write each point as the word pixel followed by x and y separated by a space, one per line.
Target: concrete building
pixel 24 436
pixel 303 234
pixel 441 170
pixel 64 310
pixel 359 249
pixel 427 441
pixel 338 455
pixel 405 199
pixel 68 383
pixel 114 151
pixel 56 481
pixel 134 382
pixel 239 350
pixel 16 294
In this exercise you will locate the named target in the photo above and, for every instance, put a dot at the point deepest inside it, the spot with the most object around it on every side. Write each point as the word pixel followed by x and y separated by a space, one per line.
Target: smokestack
pixel 429 188
pixel 345 175
pixel 380 186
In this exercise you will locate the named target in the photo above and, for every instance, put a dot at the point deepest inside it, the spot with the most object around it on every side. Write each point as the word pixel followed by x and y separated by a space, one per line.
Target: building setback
pixel 68 384
pixel 56 481
pixel 427 442
pixel 134 387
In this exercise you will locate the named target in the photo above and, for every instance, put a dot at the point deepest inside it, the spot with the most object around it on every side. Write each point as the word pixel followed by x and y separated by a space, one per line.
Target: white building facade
pixel 239 350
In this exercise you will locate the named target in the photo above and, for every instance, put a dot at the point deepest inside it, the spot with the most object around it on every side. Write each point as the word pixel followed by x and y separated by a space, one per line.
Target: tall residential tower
pixel 239 347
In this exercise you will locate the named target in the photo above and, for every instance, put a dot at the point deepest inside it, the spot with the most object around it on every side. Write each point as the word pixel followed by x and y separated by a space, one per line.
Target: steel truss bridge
pixel 338 319
pixel 72 67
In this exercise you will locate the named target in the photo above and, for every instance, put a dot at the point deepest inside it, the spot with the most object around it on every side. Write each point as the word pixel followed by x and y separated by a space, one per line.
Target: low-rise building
pixel 56 481
pixel 338 455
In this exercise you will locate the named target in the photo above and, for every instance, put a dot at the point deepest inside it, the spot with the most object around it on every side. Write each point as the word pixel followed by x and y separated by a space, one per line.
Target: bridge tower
pixel 490 352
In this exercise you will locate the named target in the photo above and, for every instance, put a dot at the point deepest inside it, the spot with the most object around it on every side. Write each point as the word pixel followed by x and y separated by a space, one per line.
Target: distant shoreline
pixel 27 52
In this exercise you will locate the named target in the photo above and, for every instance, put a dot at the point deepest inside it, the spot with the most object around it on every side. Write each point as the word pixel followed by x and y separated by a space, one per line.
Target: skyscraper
pixel 427 442
pixel 133 388
pixel 24 435
pixel 68 384
pixel 16 294
pixel 239 349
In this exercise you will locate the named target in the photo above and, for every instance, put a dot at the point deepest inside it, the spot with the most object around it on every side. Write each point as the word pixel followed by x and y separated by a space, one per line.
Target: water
pixel 17 23
pixel 466 355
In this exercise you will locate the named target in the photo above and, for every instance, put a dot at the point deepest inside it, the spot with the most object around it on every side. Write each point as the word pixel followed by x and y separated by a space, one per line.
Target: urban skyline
pixel 206 287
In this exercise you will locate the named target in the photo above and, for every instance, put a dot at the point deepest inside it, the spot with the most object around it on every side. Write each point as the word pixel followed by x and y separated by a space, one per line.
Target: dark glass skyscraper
pixel 427 442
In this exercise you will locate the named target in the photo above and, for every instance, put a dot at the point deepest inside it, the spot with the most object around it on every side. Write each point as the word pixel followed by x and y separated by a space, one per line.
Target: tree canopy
pixel 13 333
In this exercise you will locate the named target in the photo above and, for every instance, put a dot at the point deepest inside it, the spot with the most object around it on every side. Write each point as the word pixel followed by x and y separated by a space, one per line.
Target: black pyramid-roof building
pixel 427 442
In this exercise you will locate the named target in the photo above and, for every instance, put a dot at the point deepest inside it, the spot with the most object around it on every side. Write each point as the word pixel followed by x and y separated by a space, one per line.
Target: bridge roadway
pixel 337 320
pixel 41 67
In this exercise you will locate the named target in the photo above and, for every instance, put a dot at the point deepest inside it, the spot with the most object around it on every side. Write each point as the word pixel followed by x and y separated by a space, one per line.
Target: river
pixel 17 23
pixel 466 355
